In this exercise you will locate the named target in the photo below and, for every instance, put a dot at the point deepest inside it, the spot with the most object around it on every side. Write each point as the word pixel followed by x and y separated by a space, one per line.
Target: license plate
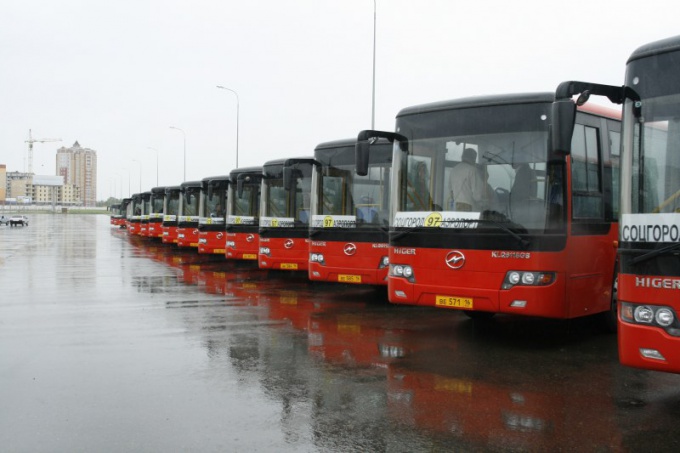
pixel 249 256
pixel 220 251
pixel 349 278
pixel 454 302
pixel 291 266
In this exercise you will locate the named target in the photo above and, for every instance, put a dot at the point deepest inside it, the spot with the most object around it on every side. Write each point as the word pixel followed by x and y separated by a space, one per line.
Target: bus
pixel 285 214
pixel 211 215
pixel 243 214
pixel 649 232
pixel 146 211
pixel 171 203
pixel 122 220
pixel 187 218
pixel 116 214
pixel 154 228
pixel 487 217
pixel 348 233
pixel 134 214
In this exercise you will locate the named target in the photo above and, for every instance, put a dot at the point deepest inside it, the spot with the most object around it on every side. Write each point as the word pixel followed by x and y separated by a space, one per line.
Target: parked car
pixel 17 220
pixel 4 220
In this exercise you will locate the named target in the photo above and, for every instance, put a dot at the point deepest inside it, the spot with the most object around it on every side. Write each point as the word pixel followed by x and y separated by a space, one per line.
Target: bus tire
pixel 609 319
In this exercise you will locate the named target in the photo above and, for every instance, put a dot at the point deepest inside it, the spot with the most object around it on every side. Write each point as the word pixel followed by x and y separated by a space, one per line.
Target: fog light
pixel 651 354
pixel 644 314
pixel 400 294
pixel 518 303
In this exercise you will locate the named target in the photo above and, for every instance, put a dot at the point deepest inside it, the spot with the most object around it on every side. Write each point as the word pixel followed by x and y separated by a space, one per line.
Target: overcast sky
pixel 115 75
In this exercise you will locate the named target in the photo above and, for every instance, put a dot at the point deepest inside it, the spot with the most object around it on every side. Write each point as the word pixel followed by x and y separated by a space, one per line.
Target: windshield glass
pixel 189 202
pixel 213 202
pixel 172 203
pixel 483 162
pixel 347 199
pixel 290 205
pixel 244 209
pixel 157 203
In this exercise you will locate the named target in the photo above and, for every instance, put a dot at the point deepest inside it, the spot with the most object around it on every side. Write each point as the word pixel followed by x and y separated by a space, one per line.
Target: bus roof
pixel 479 101
pixel 667 45
pixel 186 184
pixel 158 190
pixel 216 178
pixel 336 144
pixel 244 170
pixel 169 189
pixel 282 162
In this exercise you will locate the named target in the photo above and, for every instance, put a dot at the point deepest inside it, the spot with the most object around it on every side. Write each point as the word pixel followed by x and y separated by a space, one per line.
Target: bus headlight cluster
pixel 524 278
pixel 316 258
pixel 653 315
pixel 202 241
pixel 265 251
pixel 384 262
pixel 402 270
pixel 231 244
pixel 391 352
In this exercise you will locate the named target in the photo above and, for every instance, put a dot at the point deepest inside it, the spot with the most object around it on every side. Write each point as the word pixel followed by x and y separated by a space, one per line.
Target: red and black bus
pixel 243 213
pixel 134 211
pixel 154 227
pixel 187 218
pixel 285 214
pixel 171 203
pixel 146 211
pixel 348 233
pixel 211 220
pixel 488 217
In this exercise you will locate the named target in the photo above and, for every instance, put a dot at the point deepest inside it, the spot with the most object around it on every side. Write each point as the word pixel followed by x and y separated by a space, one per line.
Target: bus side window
pixel 585 173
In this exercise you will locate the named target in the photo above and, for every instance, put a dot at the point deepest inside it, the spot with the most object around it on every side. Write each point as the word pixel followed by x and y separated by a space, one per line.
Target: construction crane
pixel 30 142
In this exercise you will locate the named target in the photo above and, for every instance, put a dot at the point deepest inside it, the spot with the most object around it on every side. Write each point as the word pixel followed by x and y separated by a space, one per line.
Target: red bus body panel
pixel 582 281
pixel 360 266
pixel 632 337
pixel 211 242
pixel 187 236
pixel 242 246
pixel 169 235
pixel 286 254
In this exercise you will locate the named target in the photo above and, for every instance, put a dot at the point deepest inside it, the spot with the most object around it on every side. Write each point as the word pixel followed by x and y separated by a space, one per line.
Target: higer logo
pixel 349 249
pixel 455 259
pixel 250 238
pixel 657 282
pixel 289 243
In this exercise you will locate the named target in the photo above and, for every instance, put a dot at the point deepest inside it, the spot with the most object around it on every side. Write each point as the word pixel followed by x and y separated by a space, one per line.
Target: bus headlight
pixel 384 262
pixel 651 315
pixel 524 278
pixel 265 251
pixel 316 258
pixel 401 270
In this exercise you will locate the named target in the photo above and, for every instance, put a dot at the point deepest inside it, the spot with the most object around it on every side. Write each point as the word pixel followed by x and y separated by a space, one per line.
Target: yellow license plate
pixel 220 251
pixel 349 278
pixel 292 266
pixel 249 256
pixel 454 302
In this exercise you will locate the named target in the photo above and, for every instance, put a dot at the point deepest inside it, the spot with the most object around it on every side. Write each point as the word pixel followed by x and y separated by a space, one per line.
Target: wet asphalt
pixel 117 344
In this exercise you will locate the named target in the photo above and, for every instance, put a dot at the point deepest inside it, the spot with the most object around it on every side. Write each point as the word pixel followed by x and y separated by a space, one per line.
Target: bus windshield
pixel 172 207
pixel 290 204
pixel 248 203
pixel 364 199
pixel 214 200
pixel 489 160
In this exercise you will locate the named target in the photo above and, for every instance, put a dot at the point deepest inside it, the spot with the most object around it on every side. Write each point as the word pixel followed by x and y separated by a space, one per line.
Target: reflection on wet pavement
pixel 113 343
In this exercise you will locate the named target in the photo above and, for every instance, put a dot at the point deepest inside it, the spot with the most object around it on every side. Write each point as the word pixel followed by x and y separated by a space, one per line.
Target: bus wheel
pixel 609 318
pixel 479 315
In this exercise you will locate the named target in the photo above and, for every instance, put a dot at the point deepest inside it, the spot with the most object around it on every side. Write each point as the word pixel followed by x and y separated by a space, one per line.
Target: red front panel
pixel 169 235
pixel 645 289
pixel 187 236
pixel 134 228
pixel 242 246
pixel 211 242
pixel 476 284
pixel 284 253
pixel 154 230
pixel 349 262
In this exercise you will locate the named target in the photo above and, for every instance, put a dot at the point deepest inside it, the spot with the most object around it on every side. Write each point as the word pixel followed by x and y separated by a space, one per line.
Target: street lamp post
pixel 184 135
pixel 375 14
pixel 237 114
pixel 154 149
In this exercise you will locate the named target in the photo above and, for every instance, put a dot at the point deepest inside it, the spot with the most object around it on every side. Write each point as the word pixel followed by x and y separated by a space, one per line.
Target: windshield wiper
pixel 654 253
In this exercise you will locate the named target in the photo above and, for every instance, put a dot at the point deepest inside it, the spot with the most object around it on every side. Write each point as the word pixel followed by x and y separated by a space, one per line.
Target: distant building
pixel 18 184
pixel 3 183
pixel 78 166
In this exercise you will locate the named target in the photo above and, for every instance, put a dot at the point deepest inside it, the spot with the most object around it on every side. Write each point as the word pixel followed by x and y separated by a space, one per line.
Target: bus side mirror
pixel 362 153
pixel 563 117
pixel 239 188
pixel 287 178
